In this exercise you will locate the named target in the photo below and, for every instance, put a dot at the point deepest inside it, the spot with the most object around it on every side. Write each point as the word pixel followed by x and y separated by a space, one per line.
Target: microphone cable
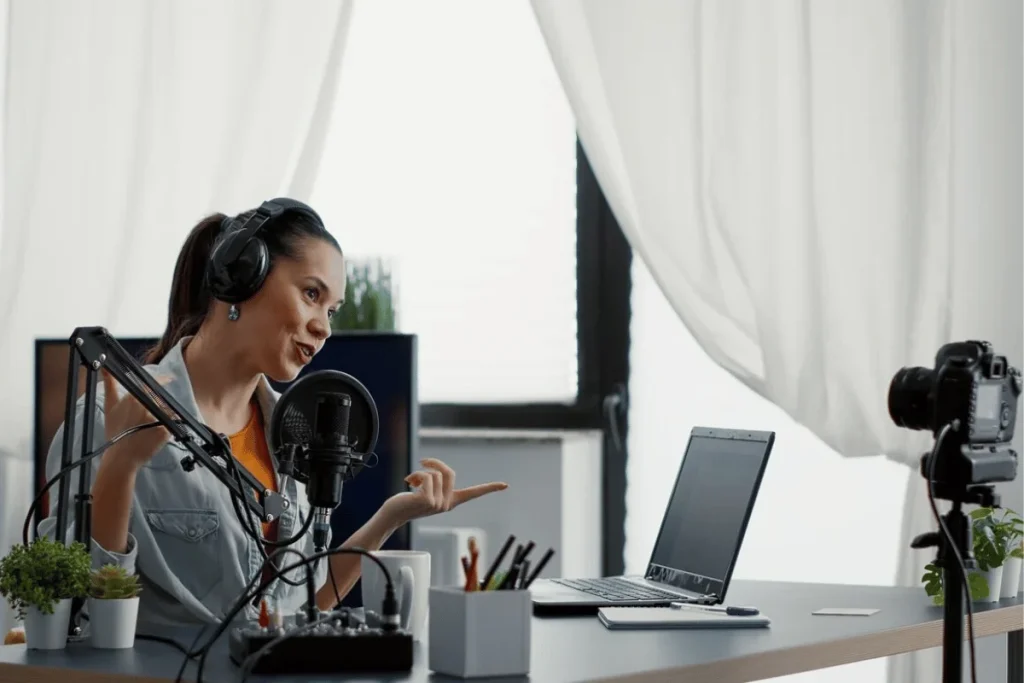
pixel 390 607
pixel 37 503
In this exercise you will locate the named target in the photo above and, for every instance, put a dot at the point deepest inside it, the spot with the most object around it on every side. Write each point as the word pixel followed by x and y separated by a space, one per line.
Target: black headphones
pixel 240 261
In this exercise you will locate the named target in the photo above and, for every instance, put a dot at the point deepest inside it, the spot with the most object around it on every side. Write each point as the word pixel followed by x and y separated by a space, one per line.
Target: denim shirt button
pixel 192 533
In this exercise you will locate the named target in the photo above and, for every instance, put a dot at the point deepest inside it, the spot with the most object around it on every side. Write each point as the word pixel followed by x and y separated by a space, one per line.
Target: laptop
pixel 700 536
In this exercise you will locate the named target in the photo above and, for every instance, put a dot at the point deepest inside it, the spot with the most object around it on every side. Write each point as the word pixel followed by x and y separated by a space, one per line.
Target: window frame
pixel 603 311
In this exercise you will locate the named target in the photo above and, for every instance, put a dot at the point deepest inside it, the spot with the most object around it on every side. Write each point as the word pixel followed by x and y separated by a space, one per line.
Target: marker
pixel 497 562
pixel 731 610
pixel 539 567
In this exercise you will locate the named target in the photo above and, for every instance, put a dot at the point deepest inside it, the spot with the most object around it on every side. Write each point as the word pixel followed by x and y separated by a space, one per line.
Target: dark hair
pixel 190 298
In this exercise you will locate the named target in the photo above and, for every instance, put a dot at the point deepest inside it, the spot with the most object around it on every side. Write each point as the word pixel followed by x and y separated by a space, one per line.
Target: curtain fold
pixel 824 192
pixel 124 124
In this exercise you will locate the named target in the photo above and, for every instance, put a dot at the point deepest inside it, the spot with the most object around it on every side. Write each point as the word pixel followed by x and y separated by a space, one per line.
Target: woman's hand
pixel 433 491
pixel 124 412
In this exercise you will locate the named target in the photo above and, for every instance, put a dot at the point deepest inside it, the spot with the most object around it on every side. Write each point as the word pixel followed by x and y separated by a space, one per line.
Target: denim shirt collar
pixel 180 386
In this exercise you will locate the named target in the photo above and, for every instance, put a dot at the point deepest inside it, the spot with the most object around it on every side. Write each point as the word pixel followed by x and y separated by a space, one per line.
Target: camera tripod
pixel 954 556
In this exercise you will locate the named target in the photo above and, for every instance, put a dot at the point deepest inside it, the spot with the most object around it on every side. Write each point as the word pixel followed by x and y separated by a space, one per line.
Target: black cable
pixel 952 544
pixel 253 659
pixel 330 572
pixel 248 524
pixel 249 596
pixel 37 503
pixel 189 655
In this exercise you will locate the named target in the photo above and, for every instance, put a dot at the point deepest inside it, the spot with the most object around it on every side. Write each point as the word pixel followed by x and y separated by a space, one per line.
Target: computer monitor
pixel 384 362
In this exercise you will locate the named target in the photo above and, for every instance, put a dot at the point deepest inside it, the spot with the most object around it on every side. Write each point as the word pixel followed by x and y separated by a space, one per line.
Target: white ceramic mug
pixel 410 573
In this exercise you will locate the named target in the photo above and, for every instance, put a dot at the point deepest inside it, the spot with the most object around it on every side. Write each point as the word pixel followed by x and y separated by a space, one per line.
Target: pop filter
pixel 294 418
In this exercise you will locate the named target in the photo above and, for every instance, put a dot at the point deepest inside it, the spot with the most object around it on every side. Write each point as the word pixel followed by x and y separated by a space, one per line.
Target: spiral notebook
pixel 623 618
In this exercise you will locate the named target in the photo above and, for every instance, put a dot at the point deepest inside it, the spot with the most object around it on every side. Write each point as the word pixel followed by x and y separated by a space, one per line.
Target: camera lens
pixel 909 398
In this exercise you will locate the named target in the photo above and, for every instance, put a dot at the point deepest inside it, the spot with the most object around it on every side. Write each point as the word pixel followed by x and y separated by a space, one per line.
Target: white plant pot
pixel 48 631
pixel 994 577
pixel 1011 577
pixel 112 623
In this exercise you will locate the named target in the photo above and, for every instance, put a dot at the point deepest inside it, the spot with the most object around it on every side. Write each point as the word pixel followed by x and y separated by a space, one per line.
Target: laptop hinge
pixel 705 599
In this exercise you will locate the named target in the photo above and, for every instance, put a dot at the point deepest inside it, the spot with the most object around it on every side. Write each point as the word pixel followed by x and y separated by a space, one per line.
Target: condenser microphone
pixel 330 460
pixel 323 430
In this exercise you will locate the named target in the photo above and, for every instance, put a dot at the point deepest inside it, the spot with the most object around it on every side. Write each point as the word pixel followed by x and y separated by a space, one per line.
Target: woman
pixel 230 327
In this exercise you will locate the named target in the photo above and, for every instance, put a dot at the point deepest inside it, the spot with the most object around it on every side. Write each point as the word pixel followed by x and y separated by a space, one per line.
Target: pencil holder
pixel 479 633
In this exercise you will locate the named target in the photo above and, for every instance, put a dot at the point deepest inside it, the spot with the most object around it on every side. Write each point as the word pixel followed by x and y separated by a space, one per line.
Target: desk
pixel 579 648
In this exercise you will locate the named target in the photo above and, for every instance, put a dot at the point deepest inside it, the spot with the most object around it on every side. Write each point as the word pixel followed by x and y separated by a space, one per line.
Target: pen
pixel 731 610
pixel 523 574
pixel 522 555
pixel 497 562
pixel 540 566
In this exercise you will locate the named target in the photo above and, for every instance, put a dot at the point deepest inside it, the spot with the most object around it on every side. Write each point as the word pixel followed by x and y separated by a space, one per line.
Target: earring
pixel 233 312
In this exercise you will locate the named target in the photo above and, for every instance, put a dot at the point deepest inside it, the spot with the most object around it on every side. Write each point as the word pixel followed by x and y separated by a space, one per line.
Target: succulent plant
pixel 113 583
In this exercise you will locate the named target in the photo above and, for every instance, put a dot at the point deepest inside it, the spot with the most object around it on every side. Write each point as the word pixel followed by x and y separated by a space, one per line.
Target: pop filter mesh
pixel 295 413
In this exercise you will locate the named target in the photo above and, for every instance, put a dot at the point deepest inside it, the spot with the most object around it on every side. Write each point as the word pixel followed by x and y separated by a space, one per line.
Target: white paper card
pixel 846 611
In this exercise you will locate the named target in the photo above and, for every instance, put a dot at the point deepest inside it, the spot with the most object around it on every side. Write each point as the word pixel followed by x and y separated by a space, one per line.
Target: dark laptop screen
pixel 707 514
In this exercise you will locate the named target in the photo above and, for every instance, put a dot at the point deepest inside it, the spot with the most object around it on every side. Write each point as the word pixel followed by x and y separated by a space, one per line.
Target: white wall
pixel 553 498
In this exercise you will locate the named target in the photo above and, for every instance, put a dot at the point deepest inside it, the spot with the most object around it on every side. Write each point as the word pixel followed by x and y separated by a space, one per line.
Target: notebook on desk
pixel 623 618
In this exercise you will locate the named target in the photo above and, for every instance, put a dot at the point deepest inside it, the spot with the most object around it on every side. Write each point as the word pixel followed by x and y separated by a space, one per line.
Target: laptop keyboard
pixel 615 588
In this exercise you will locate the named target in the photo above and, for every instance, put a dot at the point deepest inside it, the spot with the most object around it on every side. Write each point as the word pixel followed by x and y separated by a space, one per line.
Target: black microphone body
pixel 330 461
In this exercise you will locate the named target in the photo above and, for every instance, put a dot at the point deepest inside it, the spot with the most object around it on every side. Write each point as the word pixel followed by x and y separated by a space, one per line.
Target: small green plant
pixel 43 573
pixel 998 534
pixel 932 580
pixel 369 298
pixel 113 583
pixel 1014 533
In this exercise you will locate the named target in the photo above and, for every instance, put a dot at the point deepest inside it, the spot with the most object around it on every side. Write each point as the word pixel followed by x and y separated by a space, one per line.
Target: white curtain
pixel 125 123
pixel 824 191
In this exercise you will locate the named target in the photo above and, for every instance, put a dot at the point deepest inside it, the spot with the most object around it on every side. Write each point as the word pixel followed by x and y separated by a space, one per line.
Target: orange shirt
pixel 249 447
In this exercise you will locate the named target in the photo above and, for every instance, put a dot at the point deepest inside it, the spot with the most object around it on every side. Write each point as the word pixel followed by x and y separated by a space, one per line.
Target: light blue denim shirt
pixel 192 554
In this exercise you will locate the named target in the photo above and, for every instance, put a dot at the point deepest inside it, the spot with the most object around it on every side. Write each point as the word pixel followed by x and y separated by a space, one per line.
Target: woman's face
pixel 285 324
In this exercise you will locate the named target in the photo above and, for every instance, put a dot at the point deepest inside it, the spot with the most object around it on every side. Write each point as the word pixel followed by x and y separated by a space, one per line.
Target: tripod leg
pixel 1015 657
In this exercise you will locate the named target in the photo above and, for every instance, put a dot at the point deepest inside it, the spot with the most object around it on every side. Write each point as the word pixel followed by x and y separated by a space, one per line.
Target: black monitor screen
pixel 384 362
pixel 707 515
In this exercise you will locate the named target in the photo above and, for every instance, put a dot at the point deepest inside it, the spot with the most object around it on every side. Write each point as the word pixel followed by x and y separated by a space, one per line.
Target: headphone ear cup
pixel 238 281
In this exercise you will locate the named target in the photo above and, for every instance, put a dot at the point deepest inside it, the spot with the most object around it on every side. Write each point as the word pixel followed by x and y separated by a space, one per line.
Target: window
pixel 452 155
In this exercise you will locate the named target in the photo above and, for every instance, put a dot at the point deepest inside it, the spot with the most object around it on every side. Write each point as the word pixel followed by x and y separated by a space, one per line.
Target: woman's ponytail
pixel 190 298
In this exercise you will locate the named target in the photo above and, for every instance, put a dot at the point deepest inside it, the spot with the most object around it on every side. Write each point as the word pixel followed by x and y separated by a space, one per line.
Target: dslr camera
pixel 974 391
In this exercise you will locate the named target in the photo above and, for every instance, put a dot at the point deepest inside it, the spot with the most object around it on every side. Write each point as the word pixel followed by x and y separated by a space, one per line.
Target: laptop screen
pixel 707 514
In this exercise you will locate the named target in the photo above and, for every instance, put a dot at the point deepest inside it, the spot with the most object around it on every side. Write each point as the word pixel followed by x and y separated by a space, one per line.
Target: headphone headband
pixel 268 211
pixel 240 262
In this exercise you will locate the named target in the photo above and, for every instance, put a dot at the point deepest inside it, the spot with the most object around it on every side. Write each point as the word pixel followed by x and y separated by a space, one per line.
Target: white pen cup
pixel 479 633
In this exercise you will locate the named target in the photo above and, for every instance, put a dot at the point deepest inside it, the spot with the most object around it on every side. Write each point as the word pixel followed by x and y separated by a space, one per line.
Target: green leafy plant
pixel 43 573
pixel 113 583
pixel 369 297
pixel 933 587
pixel 997 536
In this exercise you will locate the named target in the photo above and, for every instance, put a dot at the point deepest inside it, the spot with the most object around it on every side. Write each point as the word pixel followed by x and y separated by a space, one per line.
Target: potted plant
pixel 113 607
pixel 369 297
pixel 989 550
pixel 1011 530
pixel 39 582
pixel 932 580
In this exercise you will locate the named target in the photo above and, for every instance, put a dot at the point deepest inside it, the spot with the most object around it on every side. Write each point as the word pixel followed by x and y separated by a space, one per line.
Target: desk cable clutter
pixel 312 438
